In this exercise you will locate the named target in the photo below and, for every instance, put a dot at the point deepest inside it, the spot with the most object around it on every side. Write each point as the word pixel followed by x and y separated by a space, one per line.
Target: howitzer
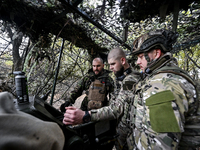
pixel 89 136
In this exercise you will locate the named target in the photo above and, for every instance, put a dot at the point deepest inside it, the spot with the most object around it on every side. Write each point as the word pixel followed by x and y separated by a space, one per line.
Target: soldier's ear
pixel 158 53
pixel 123 60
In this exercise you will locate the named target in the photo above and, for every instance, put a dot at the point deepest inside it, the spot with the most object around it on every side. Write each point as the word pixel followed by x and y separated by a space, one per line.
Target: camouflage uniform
pixel 161 104
pixel 83 85
pixel 118 104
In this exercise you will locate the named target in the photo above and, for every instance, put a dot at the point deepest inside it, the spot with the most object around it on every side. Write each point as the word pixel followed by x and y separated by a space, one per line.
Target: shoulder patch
pixel 128 85
pixel 161 113
pixel 160 97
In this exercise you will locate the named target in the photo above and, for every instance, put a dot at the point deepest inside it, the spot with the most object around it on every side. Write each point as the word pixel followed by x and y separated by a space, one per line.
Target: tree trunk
pixel 17 60
pixel 16 39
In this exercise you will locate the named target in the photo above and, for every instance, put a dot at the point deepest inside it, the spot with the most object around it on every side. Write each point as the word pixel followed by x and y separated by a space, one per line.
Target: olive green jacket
pixel 84 83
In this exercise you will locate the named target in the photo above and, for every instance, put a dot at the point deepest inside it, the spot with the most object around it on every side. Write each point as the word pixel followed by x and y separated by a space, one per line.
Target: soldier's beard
pixel 98 74
pixel 120 72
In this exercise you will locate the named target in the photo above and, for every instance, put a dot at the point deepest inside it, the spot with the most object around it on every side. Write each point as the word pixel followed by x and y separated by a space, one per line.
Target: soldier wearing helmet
pixel 164 98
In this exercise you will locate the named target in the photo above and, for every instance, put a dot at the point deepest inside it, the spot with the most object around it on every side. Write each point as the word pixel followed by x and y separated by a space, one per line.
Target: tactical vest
pixel 96 94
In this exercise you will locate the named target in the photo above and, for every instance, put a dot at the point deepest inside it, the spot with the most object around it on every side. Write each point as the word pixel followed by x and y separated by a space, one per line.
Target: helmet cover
pixel 160 38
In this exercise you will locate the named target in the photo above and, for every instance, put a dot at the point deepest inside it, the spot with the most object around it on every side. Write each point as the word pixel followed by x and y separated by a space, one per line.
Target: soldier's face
pixel 116 66
pixel 97 67
pixel 141 61
pixel 153 54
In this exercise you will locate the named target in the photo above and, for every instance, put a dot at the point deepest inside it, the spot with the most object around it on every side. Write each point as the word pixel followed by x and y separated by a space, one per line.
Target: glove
pixel 66 104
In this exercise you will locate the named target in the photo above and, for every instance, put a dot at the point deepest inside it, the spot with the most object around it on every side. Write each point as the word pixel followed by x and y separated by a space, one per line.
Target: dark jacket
pixel 84 83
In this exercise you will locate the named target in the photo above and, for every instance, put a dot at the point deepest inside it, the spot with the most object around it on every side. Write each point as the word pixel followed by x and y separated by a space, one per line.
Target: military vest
pixel 96 94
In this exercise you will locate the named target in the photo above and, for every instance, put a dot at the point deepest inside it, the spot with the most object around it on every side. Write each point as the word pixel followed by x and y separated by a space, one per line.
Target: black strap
pixel 126 72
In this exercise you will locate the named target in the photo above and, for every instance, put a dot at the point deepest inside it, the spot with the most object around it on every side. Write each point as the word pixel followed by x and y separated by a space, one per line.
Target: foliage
pixel 41 70
pixel 189 60
pixel 42 55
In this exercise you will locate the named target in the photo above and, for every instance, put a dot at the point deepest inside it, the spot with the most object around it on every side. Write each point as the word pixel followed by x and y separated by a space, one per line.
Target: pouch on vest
pixel 96 95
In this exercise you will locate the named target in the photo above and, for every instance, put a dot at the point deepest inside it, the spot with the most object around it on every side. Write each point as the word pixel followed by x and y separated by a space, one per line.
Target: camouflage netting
pixel 123 20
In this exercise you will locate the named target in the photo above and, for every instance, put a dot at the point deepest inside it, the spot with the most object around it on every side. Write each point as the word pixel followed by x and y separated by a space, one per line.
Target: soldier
pixel 97 84
pixel 126 78
pixel 164 98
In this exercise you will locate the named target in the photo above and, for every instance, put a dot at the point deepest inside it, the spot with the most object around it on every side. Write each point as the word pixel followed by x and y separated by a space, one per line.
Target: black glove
pixel 66 104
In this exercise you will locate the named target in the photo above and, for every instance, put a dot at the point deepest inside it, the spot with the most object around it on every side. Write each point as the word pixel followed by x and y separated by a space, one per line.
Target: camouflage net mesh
pixel 110 17
pixel 43 19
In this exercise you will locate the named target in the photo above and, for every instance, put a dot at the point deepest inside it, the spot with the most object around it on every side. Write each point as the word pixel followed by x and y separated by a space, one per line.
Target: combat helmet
pixel 160 38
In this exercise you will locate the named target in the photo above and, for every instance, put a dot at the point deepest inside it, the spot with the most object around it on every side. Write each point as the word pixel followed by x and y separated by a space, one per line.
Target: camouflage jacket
pixel 161 104
pixel 84 83
pixel 116 107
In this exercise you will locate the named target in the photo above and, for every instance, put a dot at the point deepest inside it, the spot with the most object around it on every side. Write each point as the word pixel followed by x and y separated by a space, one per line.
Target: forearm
pixel 113 111
pixel 73 97
pixel 77 92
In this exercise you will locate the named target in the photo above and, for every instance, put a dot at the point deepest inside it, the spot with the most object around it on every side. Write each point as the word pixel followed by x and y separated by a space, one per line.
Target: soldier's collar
pixel 158 63
pixel 126 72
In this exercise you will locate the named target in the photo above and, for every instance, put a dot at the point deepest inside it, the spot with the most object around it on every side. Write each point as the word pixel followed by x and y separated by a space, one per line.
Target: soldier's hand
pixel 66 104
pixel 73 116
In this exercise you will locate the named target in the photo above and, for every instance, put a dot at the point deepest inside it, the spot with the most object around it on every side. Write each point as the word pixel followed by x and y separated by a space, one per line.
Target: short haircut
pixel 98 59
pixel 116 54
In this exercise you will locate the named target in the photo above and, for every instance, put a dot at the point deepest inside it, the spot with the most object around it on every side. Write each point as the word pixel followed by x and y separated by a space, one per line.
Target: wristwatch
pixel 86 117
